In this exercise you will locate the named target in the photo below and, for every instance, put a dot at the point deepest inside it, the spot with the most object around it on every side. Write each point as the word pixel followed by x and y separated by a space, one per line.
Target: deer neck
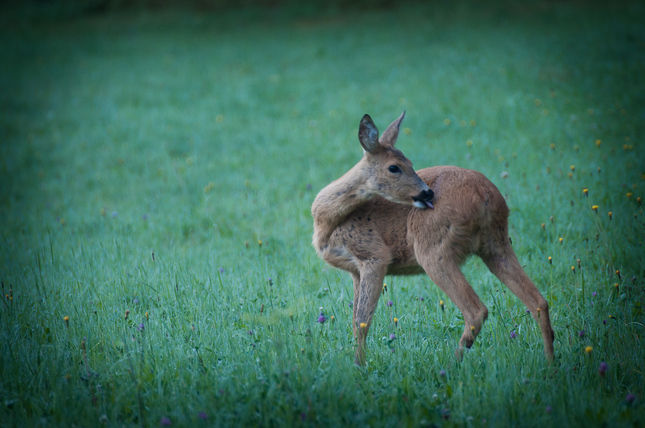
pixel 336 201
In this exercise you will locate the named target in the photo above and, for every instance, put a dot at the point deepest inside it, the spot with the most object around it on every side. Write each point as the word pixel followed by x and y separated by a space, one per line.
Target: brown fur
pixel 365 224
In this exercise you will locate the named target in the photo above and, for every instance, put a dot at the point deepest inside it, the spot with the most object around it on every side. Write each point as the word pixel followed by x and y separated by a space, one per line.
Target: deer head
pixel 387 172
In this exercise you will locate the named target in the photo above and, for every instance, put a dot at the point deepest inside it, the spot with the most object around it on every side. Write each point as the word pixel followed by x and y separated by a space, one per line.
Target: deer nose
pixel 427 195
pixel 424 196
pixel 424 199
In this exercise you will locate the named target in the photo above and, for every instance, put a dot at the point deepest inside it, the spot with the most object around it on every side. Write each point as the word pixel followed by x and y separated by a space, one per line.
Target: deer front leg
pixel 366 297
pixel 357 286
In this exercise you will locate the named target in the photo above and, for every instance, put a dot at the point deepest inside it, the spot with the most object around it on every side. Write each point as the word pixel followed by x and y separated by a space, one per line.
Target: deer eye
pixel 394 169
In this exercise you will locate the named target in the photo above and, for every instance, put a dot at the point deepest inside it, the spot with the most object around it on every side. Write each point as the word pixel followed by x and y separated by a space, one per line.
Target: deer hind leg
pixel 445 273
pixel 503 263
pixel 367 291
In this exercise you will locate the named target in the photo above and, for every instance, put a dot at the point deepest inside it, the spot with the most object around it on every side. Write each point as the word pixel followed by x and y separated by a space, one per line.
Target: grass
pixel 157 173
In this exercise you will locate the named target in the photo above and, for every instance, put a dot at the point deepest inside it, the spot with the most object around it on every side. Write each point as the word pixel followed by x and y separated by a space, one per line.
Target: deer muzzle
pixel 424 200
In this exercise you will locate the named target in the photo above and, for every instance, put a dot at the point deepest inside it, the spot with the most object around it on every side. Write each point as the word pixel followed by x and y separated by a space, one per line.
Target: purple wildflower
pixel 445 414
pixel 442 373
pixel 421 298
pixel 321 318
pixel 528 311
pixel 582 333
pixel 602 369
pixel 630 398
pixel 141 327
pixel 165 422
pixel 221 270
pixel 594 294
pixel 135 301
pixel 548 409
pixel 115 214
pixel 202 415
pixel 604 322
pixel 250 333
pixel 350 304
pixel 392 336
pixel 389 303
pixel 513 335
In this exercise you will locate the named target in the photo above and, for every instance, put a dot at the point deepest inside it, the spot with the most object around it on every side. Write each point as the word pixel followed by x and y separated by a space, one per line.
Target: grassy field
pixel 156 175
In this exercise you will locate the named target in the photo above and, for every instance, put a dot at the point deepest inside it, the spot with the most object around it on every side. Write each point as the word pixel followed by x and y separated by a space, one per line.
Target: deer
pixel 384 218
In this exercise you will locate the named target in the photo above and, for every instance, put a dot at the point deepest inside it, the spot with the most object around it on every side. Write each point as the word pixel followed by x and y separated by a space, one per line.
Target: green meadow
pixel 157 169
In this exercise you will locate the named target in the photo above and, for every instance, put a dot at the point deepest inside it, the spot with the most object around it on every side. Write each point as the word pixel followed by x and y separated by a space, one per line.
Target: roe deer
pixel 383 218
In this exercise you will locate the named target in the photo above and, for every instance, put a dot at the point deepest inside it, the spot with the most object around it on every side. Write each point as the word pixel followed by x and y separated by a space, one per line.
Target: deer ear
pixel 390 135
pixel 368 134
